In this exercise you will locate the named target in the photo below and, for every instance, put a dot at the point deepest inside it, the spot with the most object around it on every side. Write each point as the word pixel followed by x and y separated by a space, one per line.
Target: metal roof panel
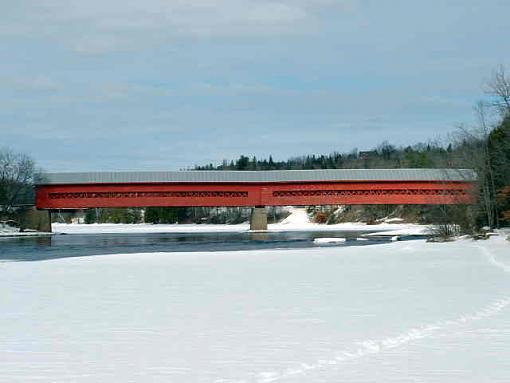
pixel 215 176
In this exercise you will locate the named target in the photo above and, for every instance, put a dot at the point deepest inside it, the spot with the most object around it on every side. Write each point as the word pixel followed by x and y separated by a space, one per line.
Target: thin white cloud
pixel 97 26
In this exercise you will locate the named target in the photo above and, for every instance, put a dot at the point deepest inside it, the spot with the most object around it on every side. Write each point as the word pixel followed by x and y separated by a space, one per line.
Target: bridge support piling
pixel 34 219
pixel 258 219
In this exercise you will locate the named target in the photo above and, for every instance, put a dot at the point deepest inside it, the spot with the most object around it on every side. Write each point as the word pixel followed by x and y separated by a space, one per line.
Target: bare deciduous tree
pixel 16 177
pixel 489 192
pixel 499 88
pixel 472 152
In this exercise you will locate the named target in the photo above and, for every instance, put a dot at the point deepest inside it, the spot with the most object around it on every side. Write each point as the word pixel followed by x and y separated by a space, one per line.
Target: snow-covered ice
pixel 404 230
pixel 330 241
pixel 113 228
pixel 8 231
pixel 399 312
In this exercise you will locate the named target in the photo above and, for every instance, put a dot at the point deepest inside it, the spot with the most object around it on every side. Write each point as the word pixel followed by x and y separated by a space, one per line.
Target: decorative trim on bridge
pixel 147 194
pixel 371 192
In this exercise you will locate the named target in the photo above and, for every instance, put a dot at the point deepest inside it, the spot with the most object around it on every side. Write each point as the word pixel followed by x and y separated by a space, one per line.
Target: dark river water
pixel 76 245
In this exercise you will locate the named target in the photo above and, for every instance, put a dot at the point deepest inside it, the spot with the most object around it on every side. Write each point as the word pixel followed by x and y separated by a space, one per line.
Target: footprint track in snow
pixel 375 346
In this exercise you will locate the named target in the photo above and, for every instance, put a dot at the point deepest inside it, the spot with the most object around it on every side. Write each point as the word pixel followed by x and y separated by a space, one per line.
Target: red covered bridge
pixel 255 188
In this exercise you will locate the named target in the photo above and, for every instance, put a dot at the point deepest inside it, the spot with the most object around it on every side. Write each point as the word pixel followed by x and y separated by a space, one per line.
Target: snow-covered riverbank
pixel 406 311
pixel 14 232
pixel 298 220
pixel 203 228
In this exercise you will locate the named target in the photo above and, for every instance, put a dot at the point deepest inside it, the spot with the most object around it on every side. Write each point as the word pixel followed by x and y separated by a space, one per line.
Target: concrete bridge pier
pixel 35 219
pixel 258 219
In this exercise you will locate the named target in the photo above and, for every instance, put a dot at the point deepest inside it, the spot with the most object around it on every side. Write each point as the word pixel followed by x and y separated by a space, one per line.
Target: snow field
pixel 387 313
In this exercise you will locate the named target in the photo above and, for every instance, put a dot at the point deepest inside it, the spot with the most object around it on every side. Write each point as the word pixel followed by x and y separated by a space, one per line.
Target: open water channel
pixel 77 245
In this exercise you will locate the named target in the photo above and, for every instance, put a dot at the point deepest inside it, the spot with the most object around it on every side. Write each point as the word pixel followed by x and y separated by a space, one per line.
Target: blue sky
pixel 166 84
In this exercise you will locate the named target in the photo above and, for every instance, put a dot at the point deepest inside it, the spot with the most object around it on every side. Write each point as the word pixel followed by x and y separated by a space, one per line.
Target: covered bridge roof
pixel 270 176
